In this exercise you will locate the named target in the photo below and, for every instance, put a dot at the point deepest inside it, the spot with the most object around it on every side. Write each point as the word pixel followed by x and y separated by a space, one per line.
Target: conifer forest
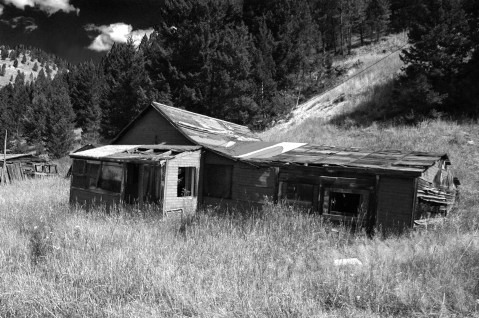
pixel 244 61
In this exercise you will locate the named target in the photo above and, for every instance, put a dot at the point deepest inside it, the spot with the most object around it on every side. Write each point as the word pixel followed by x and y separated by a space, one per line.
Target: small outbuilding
pixel 25 165
pixel 136 174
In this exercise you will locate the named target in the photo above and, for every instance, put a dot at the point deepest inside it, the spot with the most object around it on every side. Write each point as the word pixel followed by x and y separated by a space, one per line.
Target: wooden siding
pixel 152 128
pixel 250 184
pixel 395 204
pixel 88 197
pixel 171 199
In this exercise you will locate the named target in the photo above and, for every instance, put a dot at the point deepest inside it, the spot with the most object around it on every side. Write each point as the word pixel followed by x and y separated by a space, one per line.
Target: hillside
pixel 366 87
pixel 27 67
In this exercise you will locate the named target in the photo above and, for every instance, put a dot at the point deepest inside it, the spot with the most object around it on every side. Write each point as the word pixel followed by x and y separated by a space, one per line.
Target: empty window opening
pixel 345 203
pixel 85 174
pixel 299 192
pixel 186 182
pixel 110 177
pixel 95 175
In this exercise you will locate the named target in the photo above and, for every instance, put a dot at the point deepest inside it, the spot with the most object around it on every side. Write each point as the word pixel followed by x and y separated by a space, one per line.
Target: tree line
pixel 245 61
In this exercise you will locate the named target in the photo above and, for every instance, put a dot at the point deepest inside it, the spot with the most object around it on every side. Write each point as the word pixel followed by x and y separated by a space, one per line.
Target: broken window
pixel 186 182
pixel 217 181
pixel 300 192
pixel 78 167
pixel 93 171
pixel 79 176
pixel 110 177
pixel 345 202
pixel 90 175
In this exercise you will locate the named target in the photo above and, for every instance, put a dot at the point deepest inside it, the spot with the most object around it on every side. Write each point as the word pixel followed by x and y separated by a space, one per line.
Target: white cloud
pixel 1 9
pixel 114 33
pixel 21 22
pixel 49 6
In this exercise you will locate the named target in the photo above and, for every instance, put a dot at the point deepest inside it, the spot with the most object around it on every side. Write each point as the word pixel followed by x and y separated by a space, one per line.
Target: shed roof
pixel 413 162
pixel 17 155
pixel 133 152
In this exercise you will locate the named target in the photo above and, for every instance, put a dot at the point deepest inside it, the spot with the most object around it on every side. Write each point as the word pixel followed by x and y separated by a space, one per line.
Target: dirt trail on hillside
pixel 346 96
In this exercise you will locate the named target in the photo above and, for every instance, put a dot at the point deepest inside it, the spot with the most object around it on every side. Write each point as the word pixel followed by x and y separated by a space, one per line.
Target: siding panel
pixel 171 199
pixel 395 204
pixel 152 128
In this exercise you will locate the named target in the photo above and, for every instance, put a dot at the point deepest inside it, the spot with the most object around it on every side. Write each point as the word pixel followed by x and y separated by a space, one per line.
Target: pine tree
pixel 441 44
pixel 15 63
pixel 378 16
pixel 127 87
pixel 264 74
pixel 19 102
pixel 34 120
pixel 58 134
pixel 4 53
pixel 3 70
pixel 85 88
pixel 35 67
pixel 202 57
pixel 48 71
pixel 24 59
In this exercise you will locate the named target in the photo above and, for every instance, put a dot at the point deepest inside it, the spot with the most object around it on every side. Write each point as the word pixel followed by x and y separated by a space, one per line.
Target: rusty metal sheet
pixel 415 163
pixel 201 124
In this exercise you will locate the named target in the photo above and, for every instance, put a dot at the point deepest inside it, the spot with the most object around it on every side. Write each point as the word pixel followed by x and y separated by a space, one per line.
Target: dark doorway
pixel 132 183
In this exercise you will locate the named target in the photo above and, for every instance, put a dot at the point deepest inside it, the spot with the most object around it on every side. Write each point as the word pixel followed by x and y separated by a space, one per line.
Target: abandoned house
pixel 181 160
pixel 25 165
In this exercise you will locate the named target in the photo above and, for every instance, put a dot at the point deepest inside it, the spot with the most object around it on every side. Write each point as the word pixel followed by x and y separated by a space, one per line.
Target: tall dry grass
pixel 58 261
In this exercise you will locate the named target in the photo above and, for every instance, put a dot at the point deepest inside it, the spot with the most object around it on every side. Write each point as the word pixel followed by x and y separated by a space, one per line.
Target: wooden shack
pixel 388 189
pixel 22 166
pixel 136 174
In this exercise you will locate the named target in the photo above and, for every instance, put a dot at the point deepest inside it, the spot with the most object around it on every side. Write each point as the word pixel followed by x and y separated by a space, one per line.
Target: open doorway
pixel 132 183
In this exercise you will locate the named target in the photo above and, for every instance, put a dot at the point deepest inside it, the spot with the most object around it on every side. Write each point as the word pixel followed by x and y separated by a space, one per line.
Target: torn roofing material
pixel 317 155
pixel 16 155
pixel 204 130
pixel 132 152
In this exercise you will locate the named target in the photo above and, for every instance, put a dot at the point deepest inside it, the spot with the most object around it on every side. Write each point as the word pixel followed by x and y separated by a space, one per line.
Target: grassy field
pixel 56 261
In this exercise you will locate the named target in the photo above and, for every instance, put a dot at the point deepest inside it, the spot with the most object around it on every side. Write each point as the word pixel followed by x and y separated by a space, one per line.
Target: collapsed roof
pixel 133 152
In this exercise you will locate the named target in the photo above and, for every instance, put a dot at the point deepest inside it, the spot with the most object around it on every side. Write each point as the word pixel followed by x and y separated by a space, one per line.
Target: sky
pixel 76 30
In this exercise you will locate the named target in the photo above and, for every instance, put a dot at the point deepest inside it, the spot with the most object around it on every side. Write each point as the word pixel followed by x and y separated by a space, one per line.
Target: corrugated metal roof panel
pixel 392 160
pixel 205 130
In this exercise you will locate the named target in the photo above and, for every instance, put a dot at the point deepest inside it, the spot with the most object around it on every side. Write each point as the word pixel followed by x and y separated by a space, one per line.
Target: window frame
pixel 101 179
pixel 284 193
pixel 363 207
pixel 190 172
pixel 86 178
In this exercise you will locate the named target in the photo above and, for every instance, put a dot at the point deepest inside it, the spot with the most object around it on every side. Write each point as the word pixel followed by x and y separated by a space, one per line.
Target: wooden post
pixel 4 159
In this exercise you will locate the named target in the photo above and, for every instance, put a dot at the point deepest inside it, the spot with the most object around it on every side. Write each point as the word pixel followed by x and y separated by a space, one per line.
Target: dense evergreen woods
pixel 245 61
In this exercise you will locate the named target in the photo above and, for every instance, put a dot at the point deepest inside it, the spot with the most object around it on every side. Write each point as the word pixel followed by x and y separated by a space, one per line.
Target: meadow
pixel 60 261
